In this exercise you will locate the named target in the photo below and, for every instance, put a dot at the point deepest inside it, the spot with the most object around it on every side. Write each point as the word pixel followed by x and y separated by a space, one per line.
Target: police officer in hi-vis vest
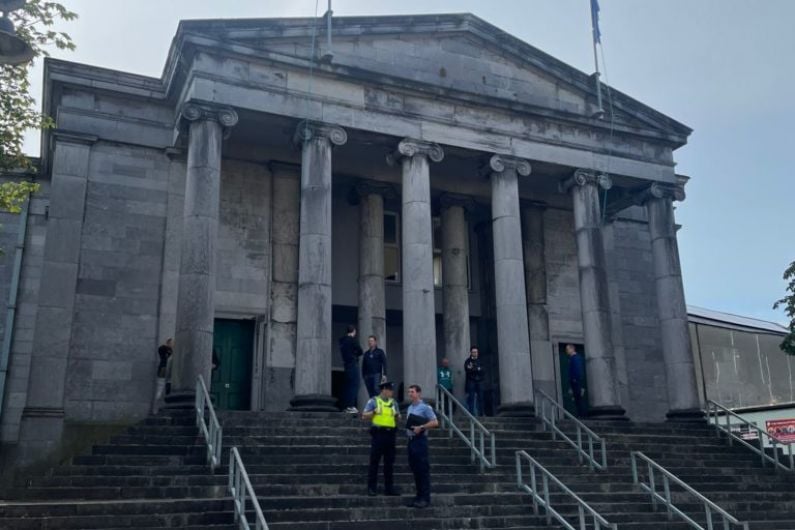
pixel 384 412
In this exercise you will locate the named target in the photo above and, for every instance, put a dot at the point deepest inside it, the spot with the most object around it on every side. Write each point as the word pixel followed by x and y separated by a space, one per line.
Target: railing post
pixel 493 451
pixel 472 438
pixel 653 486
pixel 729 428
pixel 762 448
pixel 590 452
pixel 482 452
pixel 667 489
pixel 581 513
pixel 534 487
pixel 709 516
pixel 634 462
pixel 545 483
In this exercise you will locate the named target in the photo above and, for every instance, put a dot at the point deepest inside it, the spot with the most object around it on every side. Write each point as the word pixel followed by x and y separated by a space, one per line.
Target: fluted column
pixel 455 284
pixel 513 340
pixel 313 340
pixel 419 316
pixel 535 271
pixel 683 399
pixel 196 297
pixel 603 395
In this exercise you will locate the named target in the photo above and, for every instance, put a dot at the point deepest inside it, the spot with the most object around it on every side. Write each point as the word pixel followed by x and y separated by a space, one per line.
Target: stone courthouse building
pixel 431 178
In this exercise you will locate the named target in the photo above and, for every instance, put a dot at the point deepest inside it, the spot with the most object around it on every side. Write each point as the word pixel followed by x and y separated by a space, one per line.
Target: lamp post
pixel 13 49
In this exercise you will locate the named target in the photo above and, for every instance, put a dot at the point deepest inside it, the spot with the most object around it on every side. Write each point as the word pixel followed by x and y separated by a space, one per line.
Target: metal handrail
pixel 714 410
pixel 476 441
pixel 213 435
pixel 710 507
pixel 584 511
pixel 242 491
pixel 549 411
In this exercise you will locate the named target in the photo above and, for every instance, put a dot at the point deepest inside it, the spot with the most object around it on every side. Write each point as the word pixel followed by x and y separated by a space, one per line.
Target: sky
pixel 722 67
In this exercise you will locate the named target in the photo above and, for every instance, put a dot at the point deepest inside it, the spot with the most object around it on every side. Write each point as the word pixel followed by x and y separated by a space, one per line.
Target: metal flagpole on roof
pixel 597 39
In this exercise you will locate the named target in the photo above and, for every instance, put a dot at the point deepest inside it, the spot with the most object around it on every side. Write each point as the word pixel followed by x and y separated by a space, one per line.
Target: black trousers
pixel 580 402
pixel 382 444
pixel 421 466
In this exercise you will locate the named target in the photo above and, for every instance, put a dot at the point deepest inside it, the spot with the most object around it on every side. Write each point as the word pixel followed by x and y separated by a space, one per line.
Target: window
pixel 391 247
pixel 392 250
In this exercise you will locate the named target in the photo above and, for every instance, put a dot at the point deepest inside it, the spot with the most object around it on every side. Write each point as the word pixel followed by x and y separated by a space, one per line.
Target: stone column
pixel 603 395
pixel 455 284
pixel 280 364
pixel 416 272
pixel 41 426
pixel 313 341
pixel 372 304
pixel 513 340
pixel 616 324
pixel 683 399
pixel 372 296
pixel 196 298
pixel 535 273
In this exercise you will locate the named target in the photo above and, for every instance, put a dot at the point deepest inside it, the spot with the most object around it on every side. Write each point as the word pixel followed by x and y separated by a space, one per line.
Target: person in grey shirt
pixel 420 419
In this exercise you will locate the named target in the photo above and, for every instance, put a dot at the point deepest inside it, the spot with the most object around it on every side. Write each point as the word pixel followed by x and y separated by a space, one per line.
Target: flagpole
pixel 600 111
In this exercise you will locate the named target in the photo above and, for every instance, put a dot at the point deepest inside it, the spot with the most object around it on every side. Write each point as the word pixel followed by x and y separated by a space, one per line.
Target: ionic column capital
pixel 662 190
pixel 192 111
pixel 364 187
pixel 449 200
pixel 500 163
pixel 309 130
pixel 583 177
pixel 409 147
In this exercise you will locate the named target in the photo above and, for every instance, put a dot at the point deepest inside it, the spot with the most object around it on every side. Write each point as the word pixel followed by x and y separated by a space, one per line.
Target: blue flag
pixel 597 35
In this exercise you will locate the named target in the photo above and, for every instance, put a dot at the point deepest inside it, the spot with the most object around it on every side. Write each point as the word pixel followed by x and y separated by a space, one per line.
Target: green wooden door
pixel 233 343
pixel 568 399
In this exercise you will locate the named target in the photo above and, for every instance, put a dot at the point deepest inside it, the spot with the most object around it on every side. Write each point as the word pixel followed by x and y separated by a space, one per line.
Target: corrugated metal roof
pixel 700 315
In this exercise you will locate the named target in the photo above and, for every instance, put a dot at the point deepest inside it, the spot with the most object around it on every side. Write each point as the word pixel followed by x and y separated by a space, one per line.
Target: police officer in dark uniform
pixel 383 412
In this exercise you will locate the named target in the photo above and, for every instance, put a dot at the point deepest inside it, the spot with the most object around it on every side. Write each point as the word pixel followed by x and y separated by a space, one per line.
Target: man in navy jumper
pixel 577 380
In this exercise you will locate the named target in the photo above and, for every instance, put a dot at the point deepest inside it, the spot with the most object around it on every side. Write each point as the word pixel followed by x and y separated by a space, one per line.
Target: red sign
pixel 784 430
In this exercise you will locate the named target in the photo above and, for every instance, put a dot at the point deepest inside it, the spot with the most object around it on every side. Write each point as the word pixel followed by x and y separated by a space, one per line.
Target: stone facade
pixel 438 182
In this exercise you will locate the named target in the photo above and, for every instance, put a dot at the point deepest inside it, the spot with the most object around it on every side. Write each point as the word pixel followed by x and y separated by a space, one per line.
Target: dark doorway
pixel 233 343
pixel 337 384
pixel 568 398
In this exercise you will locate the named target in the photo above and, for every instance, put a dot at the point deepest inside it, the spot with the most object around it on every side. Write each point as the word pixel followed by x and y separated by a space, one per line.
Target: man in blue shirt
pixel 420 418
pixel 577 380
pixel 373 366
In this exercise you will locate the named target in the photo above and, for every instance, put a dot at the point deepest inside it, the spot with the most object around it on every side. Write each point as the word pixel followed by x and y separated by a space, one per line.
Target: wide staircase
pixel 309 472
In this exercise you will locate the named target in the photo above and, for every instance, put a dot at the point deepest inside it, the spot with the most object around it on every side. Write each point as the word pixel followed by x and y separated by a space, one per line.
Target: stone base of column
pixel 610 413
pixel 313 403
pixel 686 415
pixel 180 400
pixel 523 409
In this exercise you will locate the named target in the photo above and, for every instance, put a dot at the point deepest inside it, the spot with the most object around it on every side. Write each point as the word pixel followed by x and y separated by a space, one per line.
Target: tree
pixel 18 111
pixel 788 344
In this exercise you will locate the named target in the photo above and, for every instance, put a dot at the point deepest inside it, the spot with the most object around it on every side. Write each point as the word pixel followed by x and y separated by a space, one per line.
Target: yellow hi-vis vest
pixel 384 414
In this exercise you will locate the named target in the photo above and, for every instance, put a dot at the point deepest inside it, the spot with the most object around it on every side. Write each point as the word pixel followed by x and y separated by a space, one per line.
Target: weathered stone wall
pixel 112 355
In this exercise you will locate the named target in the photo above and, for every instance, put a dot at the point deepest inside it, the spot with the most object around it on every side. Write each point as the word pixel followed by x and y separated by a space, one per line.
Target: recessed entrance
pixel 233 343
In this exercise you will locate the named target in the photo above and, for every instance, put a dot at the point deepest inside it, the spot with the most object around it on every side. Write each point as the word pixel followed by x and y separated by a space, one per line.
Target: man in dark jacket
pixel 350 351
pixel 474 378
pixel 577 380
pixel 373 366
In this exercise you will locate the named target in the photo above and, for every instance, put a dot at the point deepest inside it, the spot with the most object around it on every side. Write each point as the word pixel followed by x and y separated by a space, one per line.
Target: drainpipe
pixel 5 352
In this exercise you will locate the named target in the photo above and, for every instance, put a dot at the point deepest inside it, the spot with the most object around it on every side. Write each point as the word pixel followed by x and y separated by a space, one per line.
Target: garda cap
pixel 387 385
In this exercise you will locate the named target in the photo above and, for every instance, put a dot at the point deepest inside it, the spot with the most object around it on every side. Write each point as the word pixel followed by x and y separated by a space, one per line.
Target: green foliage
pixel 18 111
pixel 13 195
pixel 788 302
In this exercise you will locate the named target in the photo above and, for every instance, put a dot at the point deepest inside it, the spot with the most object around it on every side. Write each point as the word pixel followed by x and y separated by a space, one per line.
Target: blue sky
pixel 726 68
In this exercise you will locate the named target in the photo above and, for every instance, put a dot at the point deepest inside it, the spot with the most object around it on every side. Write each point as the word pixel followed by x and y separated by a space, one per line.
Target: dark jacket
pixel 350 350
pixel 374 362
pixel 474 370
pixel 164 352
pixel 576 369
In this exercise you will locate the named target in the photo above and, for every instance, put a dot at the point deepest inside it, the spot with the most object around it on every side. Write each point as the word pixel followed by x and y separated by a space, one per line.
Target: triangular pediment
pixel 457 52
